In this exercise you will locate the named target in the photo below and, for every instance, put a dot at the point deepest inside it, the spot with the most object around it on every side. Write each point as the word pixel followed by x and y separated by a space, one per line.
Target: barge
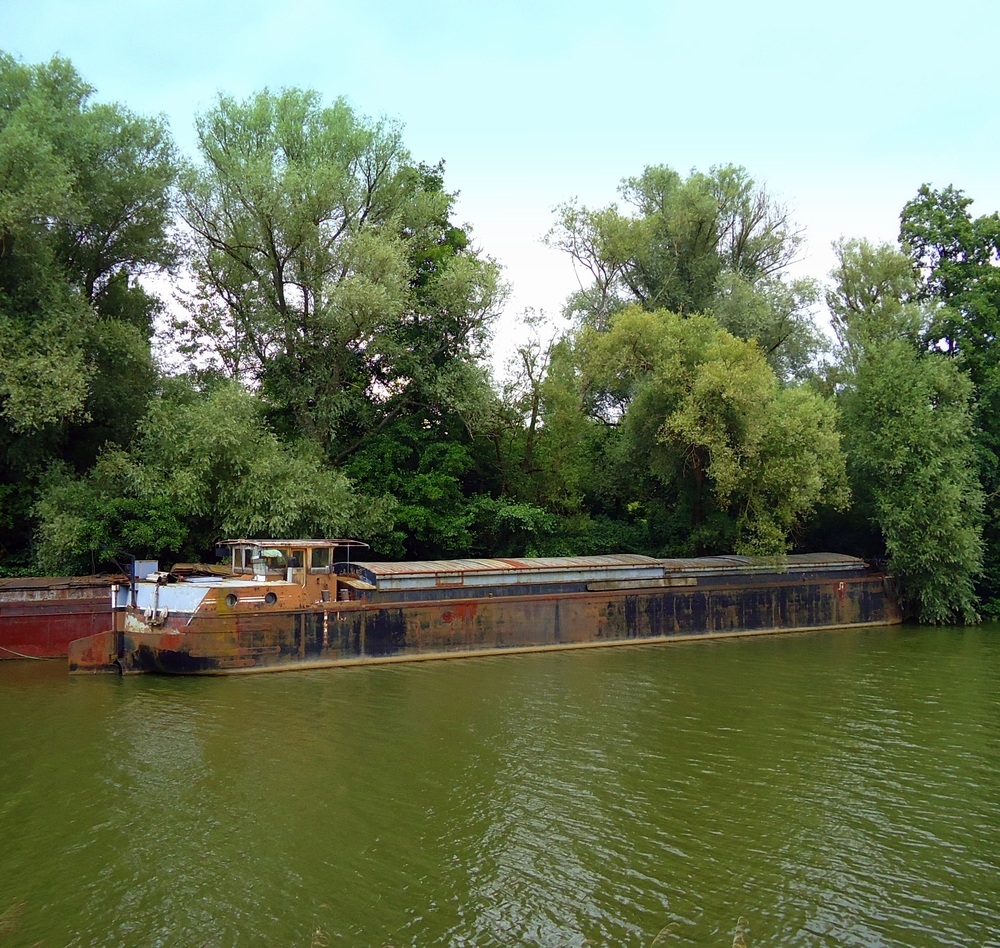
pixel 41 615
pixel 283 604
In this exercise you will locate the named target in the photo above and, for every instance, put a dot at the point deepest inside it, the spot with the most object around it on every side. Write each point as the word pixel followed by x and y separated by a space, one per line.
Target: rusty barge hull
pixel 390 614
pixel 40 616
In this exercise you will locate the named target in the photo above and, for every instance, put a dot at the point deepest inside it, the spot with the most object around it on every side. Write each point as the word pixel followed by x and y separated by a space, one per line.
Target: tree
pixel 956 257
pixel 872 301
pixel 328 271
pixel 85 210
pixel 544 450
pixel 957 260
pixel 205 465
pixel 703 414
pixel 909 438
pixel 713 243
pixel 909 434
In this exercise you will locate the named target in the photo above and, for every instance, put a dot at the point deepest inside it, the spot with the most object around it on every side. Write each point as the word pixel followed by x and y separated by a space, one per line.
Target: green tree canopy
pixel 328 271
pixel 703 413
pixel 714 243
pixel 205 466
pixel 957 260
pixel 872 300
pixel 908 428
pixel 84 211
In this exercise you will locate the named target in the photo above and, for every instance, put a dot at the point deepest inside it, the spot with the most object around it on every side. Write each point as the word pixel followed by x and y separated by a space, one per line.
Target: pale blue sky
pixel 843 109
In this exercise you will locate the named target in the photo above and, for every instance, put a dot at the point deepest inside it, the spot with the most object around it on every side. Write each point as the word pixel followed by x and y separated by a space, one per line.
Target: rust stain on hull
pixel 223 640
pixel 41 616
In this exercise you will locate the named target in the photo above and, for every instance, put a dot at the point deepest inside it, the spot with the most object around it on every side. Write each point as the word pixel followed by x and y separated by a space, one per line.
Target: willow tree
pixel 204 466
pixel 957 259
pixel 328 271
pixel 702 414
pixel 712 243
pixel 909 433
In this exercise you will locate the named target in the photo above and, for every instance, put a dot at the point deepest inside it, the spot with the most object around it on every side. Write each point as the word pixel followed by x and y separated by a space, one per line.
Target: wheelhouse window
pixel 320 558
pixel 242 559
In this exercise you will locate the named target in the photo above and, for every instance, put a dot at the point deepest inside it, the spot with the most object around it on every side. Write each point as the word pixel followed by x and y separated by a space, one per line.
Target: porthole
pixel 271 599
pixel 231 600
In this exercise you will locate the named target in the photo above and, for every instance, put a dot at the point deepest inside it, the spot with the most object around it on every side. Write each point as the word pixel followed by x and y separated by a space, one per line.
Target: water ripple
pixel 831 789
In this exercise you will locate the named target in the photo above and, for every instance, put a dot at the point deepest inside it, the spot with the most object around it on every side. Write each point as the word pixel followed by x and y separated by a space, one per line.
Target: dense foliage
pixel 85 212
pixel 910 434
pixel 321 366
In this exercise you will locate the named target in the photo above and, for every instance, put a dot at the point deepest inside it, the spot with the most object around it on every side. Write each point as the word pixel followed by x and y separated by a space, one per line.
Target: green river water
pixel 836 788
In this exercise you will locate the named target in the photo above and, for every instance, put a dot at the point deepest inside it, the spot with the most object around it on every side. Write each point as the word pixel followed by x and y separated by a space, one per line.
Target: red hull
pixel 39 617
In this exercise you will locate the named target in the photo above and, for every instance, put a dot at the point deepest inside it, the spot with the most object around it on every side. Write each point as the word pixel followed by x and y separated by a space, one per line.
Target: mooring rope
pixel 34 658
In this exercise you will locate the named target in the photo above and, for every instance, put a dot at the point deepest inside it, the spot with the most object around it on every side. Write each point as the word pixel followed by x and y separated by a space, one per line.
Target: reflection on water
pixel 831 789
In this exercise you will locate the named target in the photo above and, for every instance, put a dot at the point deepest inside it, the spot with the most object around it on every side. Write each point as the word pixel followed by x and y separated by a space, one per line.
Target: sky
pixel 841 110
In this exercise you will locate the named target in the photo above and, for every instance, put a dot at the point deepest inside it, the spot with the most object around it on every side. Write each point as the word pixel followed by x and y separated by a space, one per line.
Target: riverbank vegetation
pixel 289 333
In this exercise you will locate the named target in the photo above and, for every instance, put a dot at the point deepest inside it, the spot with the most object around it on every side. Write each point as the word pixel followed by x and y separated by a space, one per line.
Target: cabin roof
pixel 297 544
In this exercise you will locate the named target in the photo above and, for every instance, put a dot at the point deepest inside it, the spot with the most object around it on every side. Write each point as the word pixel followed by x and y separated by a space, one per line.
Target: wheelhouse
pixel 291 560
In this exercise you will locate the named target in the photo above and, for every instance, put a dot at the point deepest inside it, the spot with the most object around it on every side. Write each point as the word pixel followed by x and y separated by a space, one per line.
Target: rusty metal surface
pixel 10 587
pixel 95 653
pixel 479 572
pixel 584 564
pixel 749 564
pixel 40 616
pixel 527 564
pixel 568 570
pixel 245 638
